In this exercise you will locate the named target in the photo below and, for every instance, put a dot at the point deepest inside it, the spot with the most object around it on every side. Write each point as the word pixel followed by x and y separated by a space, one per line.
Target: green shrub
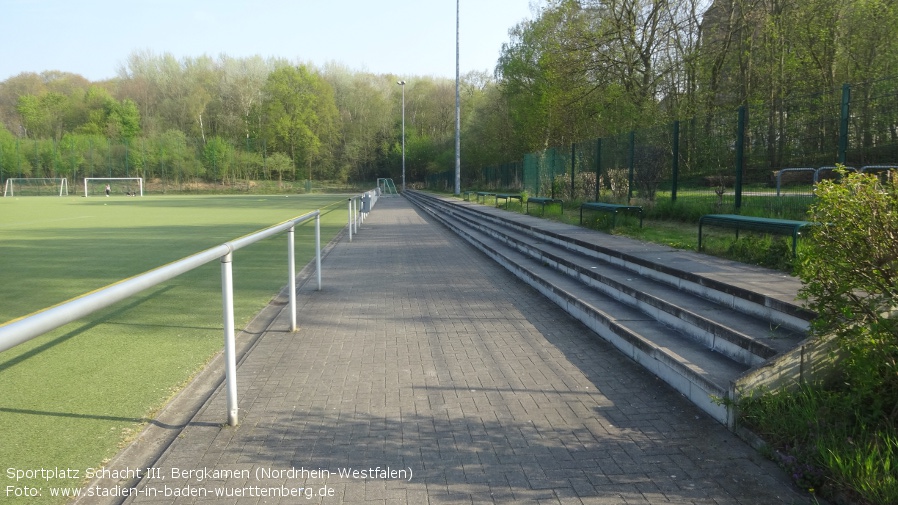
pixel 850 275
pixel 842 440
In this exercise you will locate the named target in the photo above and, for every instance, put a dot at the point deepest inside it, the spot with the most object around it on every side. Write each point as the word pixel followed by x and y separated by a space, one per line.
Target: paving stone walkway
pixel 423 373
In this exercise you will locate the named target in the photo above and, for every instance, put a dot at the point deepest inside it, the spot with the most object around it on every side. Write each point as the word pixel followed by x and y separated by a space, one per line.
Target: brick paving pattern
pixel 427 363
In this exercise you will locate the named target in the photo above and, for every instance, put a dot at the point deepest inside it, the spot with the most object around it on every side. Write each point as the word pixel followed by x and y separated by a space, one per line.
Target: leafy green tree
pixel 42 115
pixel 218 157
pixel 850 272
pixel 9 162
pixel 280 164
pixel 368 108
pixel 122 119
pixel 174 157
pixel 299 114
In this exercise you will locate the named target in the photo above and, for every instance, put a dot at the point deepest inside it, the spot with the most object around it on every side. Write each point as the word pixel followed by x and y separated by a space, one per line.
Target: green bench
pixel 613 209
pixel 484 194
pixel 750 223
pixel 507 197
pixel 545 201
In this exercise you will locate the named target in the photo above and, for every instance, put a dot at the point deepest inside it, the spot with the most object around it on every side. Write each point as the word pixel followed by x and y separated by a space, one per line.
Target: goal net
pixel 117 186
pixel 36 186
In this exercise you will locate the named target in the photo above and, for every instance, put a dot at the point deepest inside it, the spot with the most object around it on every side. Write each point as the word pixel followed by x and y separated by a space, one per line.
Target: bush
pixel 850 275
pixel 842 439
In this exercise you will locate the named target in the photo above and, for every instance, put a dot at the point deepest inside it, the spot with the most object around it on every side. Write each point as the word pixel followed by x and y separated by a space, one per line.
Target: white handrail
pixel 357 214
pixel 21 330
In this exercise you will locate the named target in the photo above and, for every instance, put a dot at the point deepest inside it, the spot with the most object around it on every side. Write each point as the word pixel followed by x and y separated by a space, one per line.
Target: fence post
pixel 598 165
pixel 573 166
pixel 843 123
pixel 675 166
pixel 740 154
pixel 552 173
pixel 632 156
pixel 227 301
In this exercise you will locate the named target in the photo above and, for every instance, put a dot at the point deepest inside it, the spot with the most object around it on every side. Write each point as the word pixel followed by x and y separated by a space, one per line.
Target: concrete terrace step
pixel 745 338
pixel 754 290
pixel 698 339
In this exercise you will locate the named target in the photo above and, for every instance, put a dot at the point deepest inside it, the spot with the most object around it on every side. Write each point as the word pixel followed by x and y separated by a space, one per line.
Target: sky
pixel 94 38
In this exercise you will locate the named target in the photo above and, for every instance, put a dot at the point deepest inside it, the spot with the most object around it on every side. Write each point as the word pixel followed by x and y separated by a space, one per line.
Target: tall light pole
pixel 402 83
pixel 457 107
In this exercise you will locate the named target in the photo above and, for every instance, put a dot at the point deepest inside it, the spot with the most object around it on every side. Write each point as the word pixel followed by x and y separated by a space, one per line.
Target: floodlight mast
pixel 457 103
pixel 402 83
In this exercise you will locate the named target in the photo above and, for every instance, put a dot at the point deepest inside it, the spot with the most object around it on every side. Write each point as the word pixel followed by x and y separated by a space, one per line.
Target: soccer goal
pixel 36 186
pixel 117 186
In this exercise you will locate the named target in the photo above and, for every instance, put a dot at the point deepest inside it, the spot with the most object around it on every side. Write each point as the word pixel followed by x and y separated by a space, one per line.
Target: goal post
pixel 36 186
pixel 131 186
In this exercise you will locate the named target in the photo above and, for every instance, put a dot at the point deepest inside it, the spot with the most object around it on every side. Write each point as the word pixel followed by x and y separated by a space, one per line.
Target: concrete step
pixel 743 337
pixel 697 344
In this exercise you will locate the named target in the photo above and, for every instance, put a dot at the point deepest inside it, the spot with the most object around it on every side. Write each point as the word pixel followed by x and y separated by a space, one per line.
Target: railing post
pixel 230 347
pixel 318 248
pixel 350 219
pixel 291 268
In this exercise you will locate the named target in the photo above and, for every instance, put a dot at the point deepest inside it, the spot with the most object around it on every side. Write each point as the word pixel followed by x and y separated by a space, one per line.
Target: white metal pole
pixel 402 83
pixel 230 346
pixel 350 219
pixel 291 267
pixel 318 248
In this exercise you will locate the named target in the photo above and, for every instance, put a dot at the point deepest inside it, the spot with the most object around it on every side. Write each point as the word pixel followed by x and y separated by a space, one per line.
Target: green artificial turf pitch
pixel 71 398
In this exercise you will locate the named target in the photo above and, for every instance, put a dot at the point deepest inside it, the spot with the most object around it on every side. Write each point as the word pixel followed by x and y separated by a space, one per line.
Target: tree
pixel 299 113
pixel 280 164
pixel 368 110
pixel 122 119
pixel 42 116
pixel 218 157
pixel 240 89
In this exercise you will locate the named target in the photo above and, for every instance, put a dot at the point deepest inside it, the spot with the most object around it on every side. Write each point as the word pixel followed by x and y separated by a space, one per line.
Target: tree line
pixel 578 69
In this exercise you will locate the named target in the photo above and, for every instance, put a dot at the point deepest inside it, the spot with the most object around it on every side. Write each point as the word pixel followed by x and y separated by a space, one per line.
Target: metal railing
pixel 359 207
pixel 26 328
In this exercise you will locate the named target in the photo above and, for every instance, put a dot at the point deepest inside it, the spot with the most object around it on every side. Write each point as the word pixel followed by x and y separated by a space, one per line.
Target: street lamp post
pixel 402 83
pixel 457 103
